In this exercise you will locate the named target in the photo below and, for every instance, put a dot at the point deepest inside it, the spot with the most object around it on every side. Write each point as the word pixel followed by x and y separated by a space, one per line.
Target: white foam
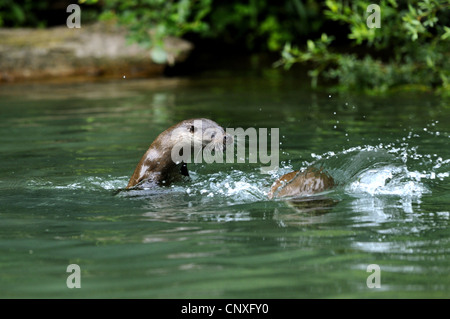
pixel 237 185
pixel 389 180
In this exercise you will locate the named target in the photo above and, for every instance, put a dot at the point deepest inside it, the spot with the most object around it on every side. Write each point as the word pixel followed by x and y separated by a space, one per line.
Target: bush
pixel 253 24
pixel 412 46
pixel 410 49
pixel 17 13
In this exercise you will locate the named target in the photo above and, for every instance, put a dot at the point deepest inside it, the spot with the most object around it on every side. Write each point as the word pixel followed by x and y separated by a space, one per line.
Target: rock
pixel 93 51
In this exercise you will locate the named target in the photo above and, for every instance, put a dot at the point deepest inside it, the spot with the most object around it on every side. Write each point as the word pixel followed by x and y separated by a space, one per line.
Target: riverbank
pixel 96 51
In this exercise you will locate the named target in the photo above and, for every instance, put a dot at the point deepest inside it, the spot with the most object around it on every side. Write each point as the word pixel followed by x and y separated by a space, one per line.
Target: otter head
pixel 194 135
pixel 165 160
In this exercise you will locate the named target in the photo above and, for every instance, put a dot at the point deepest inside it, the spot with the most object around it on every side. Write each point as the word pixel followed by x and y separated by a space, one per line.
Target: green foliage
pixel 262 24
pixel 150 21
pixel 252 24
pixel 17 13
pixel 258 24
pixel 411 48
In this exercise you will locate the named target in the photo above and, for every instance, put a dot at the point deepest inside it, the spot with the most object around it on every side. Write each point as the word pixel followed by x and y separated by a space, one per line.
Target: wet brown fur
pixel 156 167
pixel 297 184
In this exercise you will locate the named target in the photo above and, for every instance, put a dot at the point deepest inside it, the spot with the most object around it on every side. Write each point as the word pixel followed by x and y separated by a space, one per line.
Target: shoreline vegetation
pixel 347 45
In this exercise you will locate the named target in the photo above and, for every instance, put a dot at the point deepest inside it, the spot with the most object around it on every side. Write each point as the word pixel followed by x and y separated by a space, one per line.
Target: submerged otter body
pixel 160 165
pixel 300 184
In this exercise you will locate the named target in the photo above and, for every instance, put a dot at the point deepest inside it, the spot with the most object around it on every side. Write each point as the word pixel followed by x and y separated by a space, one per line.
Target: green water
pixel 65 149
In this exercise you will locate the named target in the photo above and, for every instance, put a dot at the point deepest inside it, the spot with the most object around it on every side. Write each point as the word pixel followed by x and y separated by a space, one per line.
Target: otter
pixel 300 184
pixel 163 163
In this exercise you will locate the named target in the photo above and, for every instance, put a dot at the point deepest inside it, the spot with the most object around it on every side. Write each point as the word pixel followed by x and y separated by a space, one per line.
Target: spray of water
pixel 369 170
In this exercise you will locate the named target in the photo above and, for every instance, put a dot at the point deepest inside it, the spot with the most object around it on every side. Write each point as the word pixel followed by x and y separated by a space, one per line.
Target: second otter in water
pixel 299 184
pixel 160 166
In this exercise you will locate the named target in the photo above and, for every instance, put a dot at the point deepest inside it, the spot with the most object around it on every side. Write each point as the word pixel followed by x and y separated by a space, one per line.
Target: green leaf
pixel 446 34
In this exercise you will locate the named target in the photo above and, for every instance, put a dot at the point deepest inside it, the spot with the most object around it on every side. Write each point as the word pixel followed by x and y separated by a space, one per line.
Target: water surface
pixel 66 148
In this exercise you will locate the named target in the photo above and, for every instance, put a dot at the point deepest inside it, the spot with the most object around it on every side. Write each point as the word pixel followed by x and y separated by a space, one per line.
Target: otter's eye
pixel 192 129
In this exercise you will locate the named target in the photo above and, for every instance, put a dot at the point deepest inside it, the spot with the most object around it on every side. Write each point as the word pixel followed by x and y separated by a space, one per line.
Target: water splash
pixel 384 169
pixel 369 170
pixel 238 185
pixel 387 180
pixel 90 183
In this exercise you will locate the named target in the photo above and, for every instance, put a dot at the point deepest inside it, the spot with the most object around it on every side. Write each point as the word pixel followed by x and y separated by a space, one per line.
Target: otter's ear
pixel 191 128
